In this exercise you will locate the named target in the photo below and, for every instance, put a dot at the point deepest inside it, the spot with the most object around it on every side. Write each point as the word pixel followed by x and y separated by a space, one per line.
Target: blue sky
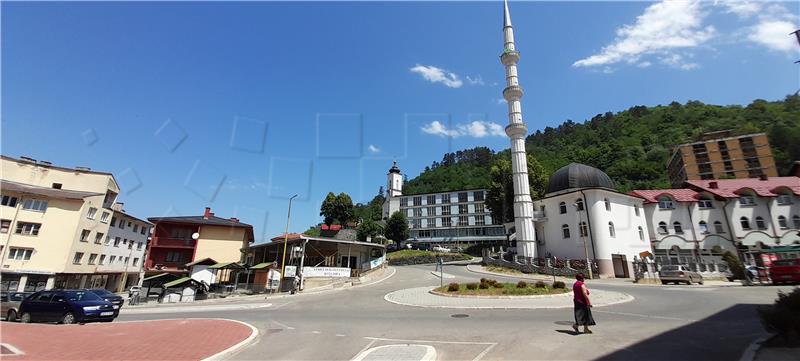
pixel 239 106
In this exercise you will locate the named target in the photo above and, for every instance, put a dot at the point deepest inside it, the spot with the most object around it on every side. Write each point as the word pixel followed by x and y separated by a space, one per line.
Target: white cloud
pixel 498 101
pixel 438 75
pixel 743 8
pixel 478 80
pixel 644 64
pixel 775 35
pixel 475 129
pixel 374 149
pixel 663 29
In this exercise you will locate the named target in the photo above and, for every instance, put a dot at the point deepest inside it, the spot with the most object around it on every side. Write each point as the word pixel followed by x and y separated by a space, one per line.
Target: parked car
pixel 438 248
pixel 785 271
pixel 457 250
pixel 66 306
pixel 115 299
pixel 9 304
pixel 679 274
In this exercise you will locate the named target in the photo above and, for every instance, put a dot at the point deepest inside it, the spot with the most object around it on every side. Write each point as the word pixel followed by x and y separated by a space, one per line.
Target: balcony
pixel 167 242
pixel 539 216
pixel 151 265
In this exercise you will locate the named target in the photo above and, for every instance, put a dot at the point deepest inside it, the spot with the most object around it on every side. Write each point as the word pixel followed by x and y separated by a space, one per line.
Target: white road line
pixel 366 347
pixel 281 305
pixel 484 352
pixel 316 332
pixel 430 341
pixel 340 335
pixel 282 325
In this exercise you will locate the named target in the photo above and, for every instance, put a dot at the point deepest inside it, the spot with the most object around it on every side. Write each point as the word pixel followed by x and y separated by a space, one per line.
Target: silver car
pixel 679 274
pixel 9 304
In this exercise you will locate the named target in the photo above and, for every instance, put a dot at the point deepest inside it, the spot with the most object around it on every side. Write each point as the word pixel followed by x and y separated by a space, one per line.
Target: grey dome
pixel 576 175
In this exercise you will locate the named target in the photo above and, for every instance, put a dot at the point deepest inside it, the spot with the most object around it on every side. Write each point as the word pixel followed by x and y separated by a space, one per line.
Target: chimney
pixel 763 177
pixel 44 162
pixel 235 220
pixel 207 213
pixel 713 185
pixel 25 159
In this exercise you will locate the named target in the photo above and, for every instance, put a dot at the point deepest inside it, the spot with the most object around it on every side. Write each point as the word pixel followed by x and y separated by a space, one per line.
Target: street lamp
pixel 583 238
pixel 285 240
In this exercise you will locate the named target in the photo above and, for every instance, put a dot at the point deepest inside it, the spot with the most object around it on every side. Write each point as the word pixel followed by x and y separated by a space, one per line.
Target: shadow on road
pixel 569 332
pixel 722 336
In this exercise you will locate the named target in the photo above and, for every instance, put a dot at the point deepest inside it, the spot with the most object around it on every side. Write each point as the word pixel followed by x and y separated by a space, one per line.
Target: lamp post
pixel 285 241
pixel 583 238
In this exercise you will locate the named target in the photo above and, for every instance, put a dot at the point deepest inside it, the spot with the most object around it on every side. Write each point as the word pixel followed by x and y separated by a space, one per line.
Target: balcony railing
pixel 164 266
pixel 172 242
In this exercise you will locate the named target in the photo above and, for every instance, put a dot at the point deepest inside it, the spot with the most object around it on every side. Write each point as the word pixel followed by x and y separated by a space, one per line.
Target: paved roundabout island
pixel 422 297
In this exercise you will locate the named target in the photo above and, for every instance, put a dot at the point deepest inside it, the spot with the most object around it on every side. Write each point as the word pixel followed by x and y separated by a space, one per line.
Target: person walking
pixel 583 306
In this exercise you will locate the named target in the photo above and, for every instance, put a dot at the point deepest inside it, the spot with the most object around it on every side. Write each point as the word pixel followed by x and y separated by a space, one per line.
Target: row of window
pixel 761 224
pixel 462 197
pixel 112 260
pixel 718 228
pixel 35 205
pixel 121 225
pixel 479 208
pixel 562 207
pixel 461 221
pixel 462 232
pixel 678 227
pixel 583 228
pixel 666 202
pixel 98 238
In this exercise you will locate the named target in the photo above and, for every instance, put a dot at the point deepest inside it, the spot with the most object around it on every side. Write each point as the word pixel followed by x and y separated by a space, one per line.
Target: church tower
pixel 394 179
pixel 517 130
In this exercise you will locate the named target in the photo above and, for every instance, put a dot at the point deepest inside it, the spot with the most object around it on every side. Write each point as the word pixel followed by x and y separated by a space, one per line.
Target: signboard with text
pixel 309 272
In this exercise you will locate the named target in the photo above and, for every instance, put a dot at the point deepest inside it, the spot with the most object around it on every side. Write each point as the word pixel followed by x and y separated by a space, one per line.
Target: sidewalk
pixel 421 297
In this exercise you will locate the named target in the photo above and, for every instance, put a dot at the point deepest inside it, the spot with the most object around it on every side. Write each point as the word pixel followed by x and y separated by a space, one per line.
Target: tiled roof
pixel 731 188
pixel 292 236
pixel 680 195
pixel 210 221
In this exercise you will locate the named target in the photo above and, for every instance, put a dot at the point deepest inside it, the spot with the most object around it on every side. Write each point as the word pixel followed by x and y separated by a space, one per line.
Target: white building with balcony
pixel 120 264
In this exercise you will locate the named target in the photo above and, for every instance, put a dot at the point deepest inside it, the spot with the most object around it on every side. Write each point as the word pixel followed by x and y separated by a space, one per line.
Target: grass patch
pixel 412 256
pixel 497 269
pixel 499 289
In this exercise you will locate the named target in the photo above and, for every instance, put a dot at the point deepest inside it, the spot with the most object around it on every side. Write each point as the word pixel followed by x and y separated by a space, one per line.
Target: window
pixel 745 223
pixel 480 220
pixel 108 240
pixel 417 212
pixel 705 204
pixel 417 201
pixel 102 259
pixel 85 235
pixel 121 224
pixel 92 258
pixel 562 208
pixel 20 254
pixel 782 222
pixel 130 224
pixel 565 231
pixel 430 199
pixel 98 238
pixel 678 227
pixel 31 229
pixel 477 196
pixel 174 257
pixel 608 204
pixel 463 197
pixel 703 227
pixel 126 260
pixel 463 209
pixel 445 198
pixel 139 246
pixel 718 227
pixel 111 260
pixel 34 205
pixel 104 217
pixel 665 203
pixel 446 222
pixel 431 211
pixel 611 231
pixel 135 262
pixel 583 229
pixel 113 221
pixel 57 185
pixel 117 240
pixel 747 201
pixel 662 228
pixel 9 201
pixel 760 224
pixel 403 203
pixel 579 204
pixel 77 258
pixel 130 244
pixel 92 213
pixel 463 220
pixel 636 210
pixel 796 221
pixel 4 225
pixel 479 208
pixel 784 199
pixel 641 234
pixel 143 230
pixel 445 210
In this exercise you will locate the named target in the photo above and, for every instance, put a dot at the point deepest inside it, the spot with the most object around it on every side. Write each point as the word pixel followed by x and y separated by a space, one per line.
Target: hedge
pixel 410 256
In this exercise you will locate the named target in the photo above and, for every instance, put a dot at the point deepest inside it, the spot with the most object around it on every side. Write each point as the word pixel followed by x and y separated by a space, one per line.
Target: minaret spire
pixel 517 130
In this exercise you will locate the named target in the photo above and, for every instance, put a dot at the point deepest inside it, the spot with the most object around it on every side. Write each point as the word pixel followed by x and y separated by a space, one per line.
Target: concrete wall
pixel 223 244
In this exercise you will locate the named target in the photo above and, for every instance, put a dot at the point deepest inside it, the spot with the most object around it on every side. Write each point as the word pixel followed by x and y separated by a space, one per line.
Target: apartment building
pixel 53 223
pixel 176 241
pixel 457 217
pixel 722 155
pixel 122 258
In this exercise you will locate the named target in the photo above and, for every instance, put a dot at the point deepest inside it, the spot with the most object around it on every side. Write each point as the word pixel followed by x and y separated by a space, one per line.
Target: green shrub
pixel 540 284
pixel 497 285
pixel 783 317
pixel 453 287
pixel 472 286
pixel 734 264
pixel 484 280
pixel 559 284
pixel 483 285
pixel 522 284
pixel 410 256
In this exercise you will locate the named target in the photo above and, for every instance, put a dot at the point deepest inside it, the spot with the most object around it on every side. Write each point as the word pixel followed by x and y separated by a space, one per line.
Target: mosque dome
pixel 576 175
pixel 394 168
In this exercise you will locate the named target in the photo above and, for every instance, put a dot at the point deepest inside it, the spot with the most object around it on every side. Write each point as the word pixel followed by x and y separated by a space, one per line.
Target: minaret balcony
pixel 509 57
pixel 515 130
pixel 513 92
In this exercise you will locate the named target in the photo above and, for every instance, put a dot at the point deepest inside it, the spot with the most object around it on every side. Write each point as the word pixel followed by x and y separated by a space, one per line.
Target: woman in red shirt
pixel 583 306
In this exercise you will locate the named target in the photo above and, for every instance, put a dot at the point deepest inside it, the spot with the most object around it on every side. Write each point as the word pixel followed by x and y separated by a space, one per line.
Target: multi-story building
pixel 457 217
pixel 176 241
pixel 696 224
pixel 122 259
pixel 582 216
pixel 722 155
pixel 53 224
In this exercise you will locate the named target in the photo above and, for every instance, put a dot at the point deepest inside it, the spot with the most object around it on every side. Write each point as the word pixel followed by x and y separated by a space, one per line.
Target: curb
pixel 565 294
pixel 628 298
pixel 222 354
pixel 749 353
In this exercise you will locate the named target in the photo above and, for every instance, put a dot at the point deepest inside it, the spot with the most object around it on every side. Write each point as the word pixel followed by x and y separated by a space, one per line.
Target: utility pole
pixel 285 241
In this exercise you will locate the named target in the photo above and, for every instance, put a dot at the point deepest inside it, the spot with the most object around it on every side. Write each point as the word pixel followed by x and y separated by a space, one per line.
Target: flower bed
pixel 488 287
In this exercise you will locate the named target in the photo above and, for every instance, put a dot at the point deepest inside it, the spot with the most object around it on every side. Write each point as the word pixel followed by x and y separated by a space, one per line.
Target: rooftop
pixel 732 188
pixel 44 191
pixel 680 195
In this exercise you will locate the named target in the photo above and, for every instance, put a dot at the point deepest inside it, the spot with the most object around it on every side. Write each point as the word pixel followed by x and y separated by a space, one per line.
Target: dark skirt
pixel 583 315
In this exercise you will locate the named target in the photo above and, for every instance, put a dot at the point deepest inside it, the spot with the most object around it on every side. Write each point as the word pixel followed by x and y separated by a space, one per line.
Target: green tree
pixel 397 227
pixel 500 194
pixel 328 209
pixel 734 264
pixel 368 228
pixel 343 208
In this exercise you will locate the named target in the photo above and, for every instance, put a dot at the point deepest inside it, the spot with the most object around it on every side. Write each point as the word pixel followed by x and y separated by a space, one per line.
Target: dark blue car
pixel 66 306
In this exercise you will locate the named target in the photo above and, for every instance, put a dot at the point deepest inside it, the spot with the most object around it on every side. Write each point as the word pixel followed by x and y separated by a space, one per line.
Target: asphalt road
pixel 663 323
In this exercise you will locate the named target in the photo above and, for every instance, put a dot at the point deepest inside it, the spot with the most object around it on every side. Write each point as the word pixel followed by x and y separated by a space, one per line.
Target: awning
pixel 227 265
pixel 177 282
pixel 155 276
pixel 204 261
pixel 262 265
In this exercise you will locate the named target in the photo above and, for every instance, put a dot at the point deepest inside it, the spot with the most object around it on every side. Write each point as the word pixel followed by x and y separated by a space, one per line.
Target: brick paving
pixel 421 297
pixel 190 339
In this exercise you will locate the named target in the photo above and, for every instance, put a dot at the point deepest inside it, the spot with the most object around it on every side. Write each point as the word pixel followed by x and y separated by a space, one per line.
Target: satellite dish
pixel 195 236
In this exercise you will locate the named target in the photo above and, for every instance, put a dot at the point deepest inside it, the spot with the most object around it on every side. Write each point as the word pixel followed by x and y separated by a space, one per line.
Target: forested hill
pixel 632 146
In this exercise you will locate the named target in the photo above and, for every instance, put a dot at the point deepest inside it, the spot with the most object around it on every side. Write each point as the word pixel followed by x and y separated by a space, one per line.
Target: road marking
pixel 489 345
pixel 484 352
pixel 367 346
pixel 340 335
pixel 316 332
pixel 12 351
pixel 281 305
pixel 429 355
pixel 282 325
pixel 646 316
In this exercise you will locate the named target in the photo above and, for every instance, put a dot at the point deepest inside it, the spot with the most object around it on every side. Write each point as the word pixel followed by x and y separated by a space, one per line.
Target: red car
pixel 785 271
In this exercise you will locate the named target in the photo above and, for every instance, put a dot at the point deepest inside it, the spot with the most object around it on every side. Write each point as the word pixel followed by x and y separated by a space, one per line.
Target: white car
pixel 438 248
